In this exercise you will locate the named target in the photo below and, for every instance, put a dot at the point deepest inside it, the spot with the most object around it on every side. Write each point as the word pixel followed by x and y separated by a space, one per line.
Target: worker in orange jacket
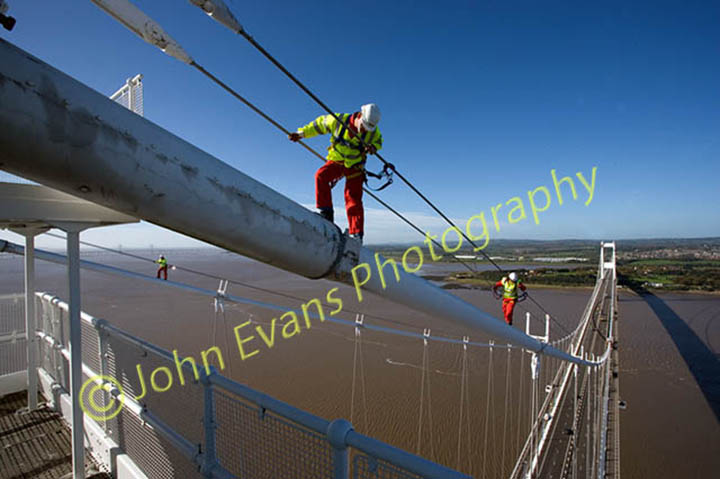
pixel 346 158
pixel 510 285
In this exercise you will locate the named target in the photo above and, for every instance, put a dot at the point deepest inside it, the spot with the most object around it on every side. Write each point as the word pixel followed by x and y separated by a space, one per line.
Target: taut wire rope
pixel 257 110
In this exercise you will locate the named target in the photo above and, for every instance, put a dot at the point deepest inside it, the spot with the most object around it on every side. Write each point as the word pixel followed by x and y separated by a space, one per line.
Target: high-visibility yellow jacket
pixel 162 262
pixel 510 288
pixel 345 147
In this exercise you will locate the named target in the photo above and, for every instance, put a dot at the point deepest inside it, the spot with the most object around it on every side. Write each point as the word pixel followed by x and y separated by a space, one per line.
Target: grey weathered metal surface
pixel 64 135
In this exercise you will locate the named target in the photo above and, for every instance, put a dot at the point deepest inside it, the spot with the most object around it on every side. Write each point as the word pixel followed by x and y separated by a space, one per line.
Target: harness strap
pixel 340 139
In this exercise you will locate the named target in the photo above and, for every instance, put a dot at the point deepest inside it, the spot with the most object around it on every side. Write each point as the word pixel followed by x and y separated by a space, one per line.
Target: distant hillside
pixel 505 250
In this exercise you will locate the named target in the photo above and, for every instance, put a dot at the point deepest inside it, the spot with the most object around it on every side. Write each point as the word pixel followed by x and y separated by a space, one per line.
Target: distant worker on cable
pixel 510 285
pixel 162 266
pixel 346 157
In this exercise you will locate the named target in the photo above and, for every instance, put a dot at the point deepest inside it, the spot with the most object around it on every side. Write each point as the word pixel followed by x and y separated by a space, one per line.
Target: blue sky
pixel 480 101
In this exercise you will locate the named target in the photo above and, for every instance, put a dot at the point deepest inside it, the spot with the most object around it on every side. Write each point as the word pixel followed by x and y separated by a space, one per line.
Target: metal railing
pixel 212 426
pixel 130 95
pixel 13 343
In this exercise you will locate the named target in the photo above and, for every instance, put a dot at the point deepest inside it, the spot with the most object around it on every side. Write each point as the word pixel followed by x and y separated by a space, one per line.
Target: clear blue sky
pixel 480 100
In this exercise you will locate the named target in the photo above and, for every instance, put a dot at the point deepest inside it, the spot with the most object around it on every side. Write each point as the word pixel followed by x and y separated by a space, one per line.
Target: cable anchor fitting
pixel 359 319
pixel 221 295
pixel 426 335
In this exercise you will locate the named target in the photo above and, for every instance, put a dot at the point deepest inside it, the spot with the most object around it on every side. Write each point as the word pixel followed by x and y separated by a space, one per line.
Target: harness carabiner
pixel 386 172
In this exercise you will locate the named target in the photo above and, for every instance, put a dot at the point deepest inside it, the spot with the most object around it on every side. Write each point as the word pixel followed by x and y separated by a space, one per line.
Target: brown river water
pixel 669 361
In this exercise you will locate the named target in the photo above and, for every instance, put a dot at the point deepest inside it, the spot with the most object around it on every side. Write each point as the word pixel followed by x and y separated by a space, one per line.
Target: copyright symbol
pixel 93 409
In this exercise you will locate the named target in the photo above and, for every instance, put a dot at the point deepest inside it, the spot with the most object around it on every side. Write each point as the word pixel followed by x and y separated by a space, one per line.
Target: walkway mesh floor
pixel 36 444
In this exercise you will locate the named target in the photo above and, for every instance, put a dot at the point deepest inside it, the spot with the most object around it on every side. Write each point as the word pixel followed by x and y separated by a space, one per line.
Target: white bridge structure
pixel 108 165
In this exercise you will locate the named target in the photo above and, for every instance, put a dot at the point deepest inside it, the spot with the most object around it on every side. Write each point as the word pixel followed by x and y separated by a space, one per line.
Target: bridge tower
pixel 607 262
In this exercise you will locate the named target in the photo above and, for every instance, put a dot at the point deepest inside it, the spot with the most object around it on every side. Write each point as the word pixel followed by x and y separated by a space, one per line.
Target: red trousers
pixel 325 179
pixel 162 269
pixel 508 307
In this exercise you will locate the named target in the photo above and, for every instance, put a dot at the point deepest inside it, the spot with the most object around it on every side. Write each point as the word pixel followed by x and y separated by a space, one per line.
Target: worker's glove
pixel 370 149
pixel 295 136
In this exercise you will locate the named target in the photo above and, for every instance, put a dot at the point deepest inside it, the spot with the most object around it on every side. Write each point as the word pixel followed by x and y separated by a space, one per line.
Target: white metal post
pixel 547 328
pixel 30 320
pixel 534 374
pixel 527 323
pixel 29 232
pixel 131 97
pixel 78 450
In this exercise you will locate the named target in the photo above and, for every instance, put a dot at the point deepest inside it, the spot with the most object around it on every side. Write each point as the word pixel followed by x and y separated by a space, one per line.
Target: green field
pixel 658 275
pixel 649 264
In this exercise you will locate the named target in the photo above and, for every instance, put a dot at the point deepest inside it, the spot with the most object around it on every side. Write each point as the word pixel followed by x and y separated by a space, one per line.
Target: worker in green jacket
pixel 162 267
pixel 346 157
pixel 510 285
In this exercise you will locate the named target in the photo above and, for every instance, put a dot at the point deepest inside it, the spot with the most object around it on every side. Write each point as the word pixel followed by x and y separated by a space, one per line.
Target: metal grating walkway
pixel 35 444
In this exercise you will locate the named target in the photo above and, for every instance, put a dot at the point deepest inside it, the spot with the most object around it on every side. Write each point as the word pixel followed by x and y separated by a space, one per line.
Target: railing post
pixel 29 232
pixel 30 320
pixel 131 98
pixel 209 460
pixel 59 333
pixel 78 428
pixel 336 433
pixel 547 328
pixel 527 323
pixel 535 375
pixel 102 353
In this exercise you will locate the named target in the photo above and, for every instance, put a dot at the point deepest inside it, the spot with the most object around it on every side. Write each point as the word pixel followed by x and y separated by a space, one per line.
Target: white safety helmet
pixel 512 276
pixel 370 116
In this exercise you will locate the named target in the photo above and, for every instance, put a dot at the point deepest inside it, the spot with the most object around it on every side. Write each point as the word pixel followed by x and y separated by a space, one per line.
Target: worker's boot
pixel 357 237
pixel 327 213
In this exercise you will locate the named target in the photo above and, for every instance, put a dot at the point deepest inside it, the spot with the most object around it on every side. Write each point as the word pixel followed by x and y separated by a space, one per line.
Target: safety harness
pixel 387 170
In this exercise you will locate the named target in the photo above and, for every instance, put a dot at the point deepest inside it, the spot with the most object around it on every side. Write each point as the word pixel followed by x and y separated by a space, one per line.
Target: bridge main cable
pixel 122 161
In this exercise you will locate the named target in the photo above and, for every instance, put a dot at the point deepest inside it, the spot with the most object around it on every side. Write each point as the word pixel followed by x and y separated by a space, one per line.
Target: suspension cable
pixel 292 77
pixel 268 118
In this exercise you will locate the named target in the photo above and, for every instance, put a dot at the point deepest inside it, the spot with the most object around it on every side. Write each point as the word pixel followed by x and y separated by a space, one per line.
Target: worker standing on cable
pixel 162 266
pixel 346 157
pixel 510 285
